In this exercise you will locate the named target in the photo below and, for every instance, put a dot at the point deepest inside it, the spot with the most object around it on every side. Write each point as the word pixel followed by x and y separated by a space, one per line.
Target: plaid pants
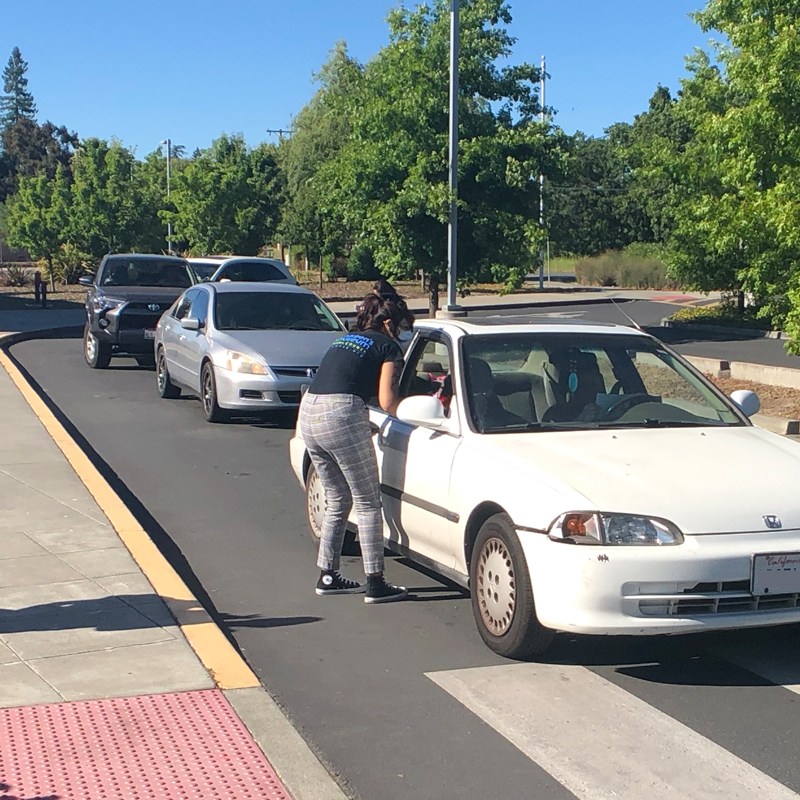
pixel 335 429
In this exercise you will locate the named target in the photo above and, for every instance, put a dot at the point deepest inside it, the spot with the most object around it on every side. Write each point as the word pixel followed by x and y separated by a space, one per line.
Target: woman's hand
pixel 389 387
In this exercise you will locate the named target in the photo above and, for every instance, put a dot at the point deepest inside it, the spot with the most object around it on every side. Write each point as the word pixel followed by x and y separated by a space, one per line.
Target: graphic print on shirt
pixel 354 343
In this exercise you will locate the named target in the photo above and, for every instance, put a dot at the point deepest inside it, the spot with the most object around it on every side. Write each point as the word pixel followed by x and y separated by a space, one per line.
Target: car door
pixel 194 344
pixel 171 335
pixel 415 463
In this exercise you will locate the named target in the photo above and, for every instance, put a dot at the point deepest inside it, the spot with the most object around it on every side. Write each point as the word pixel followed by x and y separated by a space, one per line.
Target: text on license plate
pixel 149 334
pixel 776 573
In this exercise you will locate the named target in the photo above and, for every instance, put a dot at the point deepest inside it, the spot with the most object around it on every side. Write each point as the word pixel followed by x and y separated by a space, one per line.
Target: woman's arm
pixel 389 387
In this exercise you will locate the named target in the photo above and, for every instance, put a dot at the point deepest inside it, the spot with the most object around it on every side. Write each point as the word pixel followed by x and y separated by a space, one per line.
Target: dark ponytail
pixel 375 310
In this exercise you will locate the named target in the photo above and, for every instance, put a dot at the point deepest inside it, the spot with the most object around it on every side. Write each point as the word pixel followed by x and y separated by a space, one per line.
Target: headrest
pixel 480 376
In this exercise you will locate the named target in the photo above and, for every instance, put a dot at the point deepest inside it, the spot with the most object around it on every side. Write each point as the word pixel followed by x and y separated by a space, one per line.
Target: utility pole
pixel 452 228
pixel 541 182
pixel 168 143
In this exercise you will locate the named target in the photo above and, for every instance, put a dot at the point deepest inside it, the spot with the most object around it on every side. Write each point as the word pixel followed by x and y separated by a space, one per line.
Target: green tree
pixel 227 199
pixel 109 208
pixel 17 102
pixel 38 216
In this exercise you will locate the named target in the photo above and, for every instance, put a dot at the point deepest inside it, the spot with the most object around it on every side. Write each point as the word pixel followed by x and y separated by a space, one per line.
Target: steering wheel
pixel 626 404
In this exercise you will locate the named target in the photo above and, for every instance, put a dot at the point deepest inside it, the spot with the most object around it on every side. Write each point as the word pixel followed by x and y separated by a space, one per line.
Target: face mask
pixel 405 336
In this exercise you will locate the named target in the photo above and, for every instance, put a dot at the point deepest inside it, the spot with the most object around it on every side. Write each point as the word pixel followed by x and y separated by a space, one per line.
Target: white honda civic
pixel 583 478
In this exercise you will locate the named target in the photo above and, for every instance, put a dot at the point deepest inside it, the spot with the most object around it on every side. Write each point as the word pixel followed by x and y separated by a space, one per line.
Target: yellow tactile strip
pixel 219 657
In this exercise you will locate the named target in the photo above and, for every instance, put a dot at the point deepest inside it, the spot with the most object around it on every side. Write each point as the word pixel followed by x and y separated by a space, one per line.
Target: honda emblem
pixel 772 521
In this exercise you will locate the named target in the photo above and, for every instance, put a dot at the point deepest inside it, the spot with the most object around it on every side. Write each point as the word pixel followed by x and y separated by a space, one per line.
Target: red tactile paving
pixel 182 746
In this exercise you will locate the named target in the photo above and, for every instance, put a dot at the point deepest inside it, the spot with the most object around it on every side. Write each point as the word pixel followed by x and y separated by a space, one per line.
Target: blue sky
pixel 191 69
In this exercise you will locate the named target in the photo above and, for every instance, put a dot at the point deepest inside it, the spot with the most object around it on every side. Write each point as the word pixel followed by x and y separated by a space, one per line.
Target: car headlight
pixel 588 527
pixel 102 303
pixel 239 362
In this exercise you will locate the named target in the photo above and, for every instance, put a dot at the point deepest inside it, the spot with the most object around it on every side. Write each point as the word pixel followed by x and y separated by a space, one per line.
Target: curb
pixel 693 327
pixel 295 763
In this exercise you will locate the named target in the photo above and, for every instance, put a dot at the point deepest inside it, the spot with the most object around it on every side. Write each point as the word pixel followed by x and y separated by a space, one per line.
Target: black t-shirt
pixel 353 364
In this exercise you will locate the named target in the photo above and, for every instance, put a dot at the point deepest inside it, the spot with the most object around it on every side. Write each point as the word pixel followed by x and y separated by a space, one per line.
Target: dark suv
pixel 125 301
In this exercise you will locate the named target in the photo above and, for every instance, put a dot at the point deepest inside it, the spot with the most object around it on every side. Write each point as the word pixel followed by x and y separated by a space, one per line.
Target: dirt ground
pixel 776 401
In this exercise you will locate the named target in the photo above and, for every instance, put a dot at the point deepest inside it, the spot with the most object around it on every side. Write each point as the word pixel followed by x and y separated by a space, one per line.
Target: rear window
pixel 146 272
pixel 251 271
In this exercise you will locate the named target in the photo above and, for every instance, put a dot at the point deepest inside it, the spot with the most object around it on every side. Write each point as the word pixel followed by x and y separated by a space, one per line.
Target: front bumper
pixel 701 585
pixel 126 331
pixel 242 391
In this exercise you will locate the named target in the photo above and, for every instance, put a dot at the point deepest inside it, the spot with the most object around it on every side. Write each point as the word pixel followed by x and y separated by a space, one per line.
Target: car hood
pixel 281 348
pixel 705 480
pixel 164 295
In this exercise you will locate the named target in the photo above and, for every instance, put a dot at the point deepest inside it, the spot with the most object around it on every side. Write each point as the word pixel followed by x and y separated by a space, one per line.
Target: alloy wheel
pixel 91 347
pixel 161 375
pixel 208 392
pixel 497 587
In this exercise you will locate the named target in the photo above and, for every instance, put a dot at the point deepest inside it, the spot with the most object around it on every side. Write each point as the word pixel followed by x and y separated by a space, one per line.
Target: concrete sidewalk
pixel 101 694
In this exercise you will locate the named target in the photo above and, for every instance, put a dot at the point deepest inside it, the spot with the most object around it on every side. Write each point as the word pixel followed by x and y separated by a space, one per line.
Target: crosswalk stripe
pixel 601 742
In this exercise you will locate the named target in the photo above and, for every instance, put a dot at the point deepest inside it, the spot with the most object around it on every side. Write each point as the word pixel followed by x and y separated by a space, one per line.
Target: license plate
pixel 776 573
pixel 149 334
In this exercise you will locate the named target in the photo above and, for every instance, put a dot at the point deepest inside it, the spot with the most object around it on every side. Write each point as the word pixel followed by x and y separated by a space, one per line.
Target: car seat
pixel 487 410
pixel 572 381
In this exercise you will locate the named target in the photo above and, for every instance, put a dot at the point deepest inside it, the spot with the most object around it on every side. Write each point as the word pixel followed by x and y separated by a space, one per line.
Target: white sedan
pixel 583 478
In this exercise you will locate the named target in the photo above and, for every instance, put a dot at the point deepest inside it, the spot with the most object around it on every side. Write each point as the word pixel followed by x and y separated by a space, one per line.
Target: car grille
pixel 289 397
pixel 727 597
pixel 295 372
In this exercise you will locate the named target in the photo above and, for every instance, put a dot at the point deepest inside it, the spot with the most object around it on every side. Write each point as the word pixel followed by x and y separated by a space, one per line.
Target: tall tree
pixel 16 102
pixel 227 198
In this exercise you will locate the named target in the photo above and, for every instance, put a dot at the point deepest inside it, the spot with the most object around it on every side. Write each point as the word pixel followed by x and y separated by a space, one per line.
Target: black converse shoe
pixel 378 591
pixel 334 583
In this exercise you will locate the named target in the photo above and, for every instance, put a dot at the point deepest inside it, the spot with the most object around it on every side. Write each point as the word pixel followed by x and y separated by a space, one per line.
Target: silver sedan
pixel 243 347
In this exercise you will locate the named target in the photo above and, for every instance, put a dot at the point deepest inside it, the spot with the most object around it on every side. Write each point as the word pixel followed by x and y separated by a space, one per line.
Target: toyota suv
pixel 125 300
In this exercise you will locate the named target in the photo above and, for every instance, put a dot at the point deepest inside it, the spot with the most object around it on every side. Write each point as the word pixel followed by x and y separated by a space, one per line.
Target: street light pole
pixel 541 183
pixel 452 228
pixel 168 143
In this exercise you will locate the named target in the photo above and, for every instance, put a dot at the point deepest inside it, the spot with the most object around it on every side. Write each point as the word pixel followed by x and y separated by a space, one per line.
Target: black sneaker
pixel 378 591
pixel 334 583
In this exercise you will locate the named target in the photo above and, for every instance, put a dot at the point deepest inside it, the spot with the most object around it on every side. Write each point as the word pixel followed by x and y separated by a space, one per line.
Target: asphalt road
pixel 222 504
pixel 649 314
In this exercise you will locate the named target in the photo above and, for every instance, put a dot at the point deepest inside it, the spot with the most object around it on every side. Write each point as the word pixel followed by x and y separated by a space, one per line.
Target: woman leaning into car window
pixel 334 424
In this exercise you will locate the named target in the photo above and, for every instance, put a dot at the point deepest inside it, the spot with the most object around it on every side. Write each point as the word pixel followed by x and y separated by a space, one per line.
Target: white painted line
pixel 601 742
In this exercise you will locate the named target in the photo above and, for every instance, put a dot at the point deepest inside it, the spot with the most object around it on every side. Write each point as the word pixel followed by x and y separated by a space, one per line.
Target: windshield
pixel 146 272
pixel 530 381
pixel 204 271
pixel 272 311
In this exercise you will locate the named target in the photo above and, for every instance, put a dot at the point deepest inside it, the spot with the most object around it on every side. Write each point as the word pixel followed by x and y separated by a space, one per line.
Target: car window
pixel 146 272
pixel 272 311
pixel 428 371
pixel 185 304
pixel 199 309
pixel 251 271
pixel 527 381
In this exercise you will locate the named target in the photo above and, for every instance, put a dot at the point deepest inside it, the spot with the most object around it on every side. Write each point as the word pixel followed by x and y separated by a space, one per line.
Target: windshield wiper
pixel 667 423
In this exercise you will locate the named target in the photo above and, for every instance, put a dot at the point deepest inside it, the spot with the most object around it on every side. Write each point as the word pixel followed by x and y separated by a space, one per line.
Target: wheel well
pixel 306 465
pixel 476 519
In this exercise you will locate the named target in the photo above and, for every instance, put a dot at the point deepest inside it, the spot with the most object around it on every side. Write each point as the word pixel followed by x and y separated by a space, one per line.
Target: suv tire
pixel 96 353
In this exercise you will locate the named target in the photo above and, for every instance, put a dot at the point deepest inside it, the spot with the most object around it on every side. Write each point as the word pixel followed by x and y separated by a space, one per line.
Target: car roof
pixel 145 257
pixel 461 328
pixel 226 287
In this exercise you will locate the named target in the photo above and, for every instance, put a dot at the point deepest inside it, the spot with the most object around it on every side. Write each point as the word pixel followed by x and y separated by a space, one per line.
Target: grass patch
pixel 640 267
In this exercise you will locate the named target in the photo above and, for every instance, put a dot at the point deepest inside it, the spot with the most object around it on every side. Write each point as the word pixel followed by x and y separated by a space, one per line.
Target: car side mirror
pixel 747 401
pixel 86 280
pixel 190 323
pixel 422 410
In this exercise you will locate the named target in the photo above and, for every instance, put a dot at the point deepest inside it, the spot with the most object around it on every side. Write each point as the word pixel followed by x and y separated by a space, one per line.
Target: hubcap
pixel 91 347
pixel 208 392
pixel 316 504
pixel 497 587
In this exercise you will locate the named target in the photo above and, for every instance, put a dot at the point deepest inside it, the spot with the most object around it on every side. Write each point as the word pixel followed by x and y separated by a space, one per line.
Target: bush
pixel 639 266
pixel 16 275
pixel 69 263
pixel 723 314
pixel 361 265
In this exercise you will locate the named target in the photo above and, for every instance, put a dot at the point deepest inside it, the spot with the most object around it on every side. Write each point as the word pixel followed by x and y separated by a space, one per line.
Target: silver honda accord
pixel 243 347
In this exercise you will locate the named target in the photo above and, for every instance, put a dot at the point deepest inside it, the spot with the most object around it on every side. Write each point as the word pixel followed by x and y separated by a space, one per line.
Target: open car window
pixel 530 381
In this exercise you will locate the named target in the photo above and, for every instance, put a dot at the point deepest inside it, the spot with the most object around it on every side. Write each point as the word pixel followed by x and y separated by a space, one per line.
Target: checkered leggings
pixel 335 429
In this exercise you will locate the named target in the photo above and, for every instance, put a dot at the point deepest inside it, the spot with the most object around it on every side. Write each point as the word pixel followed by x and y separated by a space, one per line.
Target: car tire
pixel 208 395
pixel 96 353
pixel 502 595
pixel 166 388
pixel 146 361
pixel 315 512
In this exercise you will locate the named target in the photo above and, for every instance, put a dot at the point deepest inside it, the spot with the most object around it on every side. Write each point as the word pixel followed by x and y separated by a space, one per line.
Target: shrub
pixel 723 314
pixel 361 265
pixel 639 266
pixel 69 263
pixel 16 275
